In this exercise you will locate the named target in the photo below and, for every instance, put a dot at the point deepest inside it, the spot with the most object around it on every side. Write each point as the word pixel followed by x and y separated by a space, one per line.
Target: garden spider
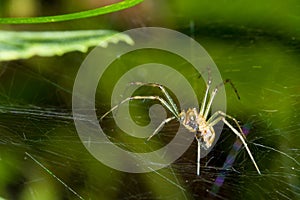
pixel 196 122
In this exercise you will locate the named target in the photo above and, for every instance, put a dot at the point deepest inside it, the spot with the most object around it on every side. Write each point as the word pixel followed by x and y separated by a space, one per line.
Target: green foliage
pixel 78 15
pixel 23 45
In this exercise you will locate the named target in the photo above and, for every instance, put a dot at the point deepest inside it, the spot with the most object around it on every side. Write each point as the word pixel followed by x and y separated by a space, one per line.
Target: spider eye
pixel 182 116
pixel 192 118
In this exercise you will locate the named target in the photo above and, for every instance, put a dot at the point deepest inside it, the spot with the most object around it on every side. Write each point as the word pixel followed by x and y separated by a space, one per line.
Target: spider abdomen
pixel 208 136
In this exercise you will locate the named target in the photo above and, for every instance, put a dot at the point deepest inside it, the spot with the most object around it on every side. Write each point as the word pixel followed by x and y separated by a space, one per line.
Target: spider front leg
pixel 239 134
pixel 163 90
pixel 204 111
pixel 162 101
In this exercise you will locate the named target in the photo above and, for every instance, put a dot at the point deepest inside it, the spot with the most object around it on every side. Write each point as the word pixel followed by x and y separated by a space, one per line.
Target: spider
pixel 194 121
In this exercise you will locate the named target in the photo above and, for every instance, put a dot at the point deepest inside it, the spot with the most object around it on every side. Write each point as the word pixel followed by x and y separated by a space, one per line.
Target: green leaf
pixel 23 45
pixel 71 16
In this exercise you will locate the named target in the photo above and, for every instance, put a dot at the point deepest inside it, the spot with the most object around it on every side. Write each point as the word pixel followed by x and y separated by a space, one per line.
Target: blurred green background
pixel 254 43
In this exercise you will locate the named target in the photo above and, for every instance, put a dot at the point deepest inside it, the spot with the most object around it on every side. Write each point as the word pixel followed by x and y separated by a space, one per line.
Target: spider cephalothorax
pixel 190 119
pixel 195 123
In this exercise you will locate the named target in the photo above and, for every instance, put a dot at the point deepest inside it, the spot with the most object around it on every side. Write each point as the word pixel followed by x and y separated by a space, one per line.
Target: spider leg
pixel 233 87
pixel 198 157
pixel 222 118
pixel 164 91
pixel 205 97
pixel 244 142
pixel 224 115
pixel 160 126
pixel 162 101
pixel 210 102
pixel 213 96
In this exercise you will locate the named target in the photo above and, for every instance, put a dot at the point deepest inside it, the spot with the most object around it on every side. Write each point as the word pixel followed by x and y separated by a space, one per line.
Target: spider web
pixel 42 156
